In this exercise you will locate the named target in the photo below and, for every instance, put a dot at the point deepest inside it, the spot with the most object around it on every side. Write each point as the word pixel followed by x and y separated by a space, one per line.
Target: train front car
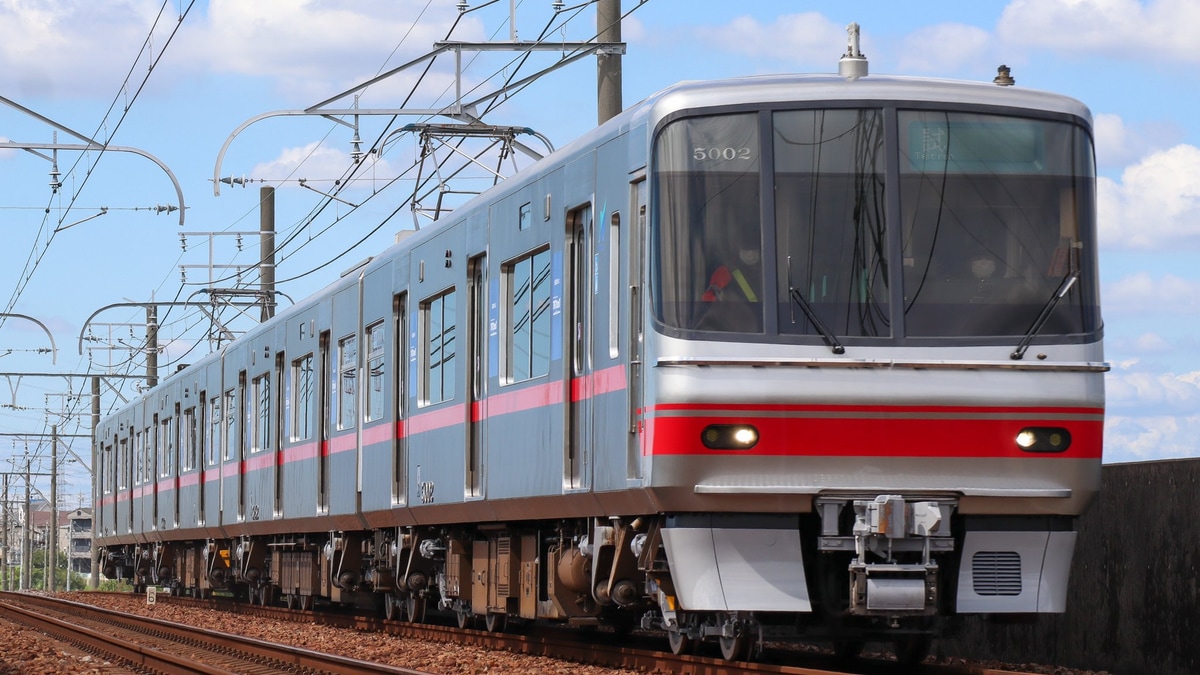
pixel 874 372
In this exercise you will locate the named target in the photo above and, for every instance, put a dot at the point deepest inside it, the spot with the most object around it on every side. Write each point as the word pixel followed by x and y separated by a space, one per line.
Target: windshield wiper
pixel 826 334
pixel 1042 318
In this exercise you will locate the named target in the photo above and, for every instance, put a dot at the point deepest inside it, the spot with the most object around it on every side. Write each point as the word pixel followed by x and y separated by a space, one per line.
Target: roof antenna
pixel 853 64
pixel 1004 77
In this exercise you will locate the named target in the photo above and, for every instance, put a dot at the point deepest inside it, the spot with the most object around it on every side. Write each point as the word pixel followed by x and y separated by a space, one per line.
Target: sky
pixel 168 86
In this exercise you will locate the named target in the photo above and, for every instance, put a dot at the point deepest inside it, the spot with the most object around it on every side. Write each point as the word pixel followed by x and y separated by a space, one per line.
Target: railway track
pixel 149 645
pixel 598 648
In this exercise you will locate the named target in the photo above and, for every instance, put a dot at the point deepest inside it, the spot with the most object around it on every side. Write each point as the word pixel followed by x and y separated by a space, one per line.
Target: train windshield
pixel 796 224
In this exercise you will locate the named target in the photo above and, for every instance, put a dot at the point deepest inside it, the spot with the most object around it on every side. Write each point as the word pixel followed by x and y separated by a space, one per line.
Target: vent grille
pixel 996 572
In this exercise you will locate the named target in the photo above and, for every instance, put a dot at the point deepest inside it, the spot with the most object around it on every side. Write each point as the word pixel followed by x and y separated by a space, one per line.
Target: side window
pixel 439 324
pixel 166 447
pixel 122 465
pixel 525 216
pixel 375 379
pixel 138 451
pixel 261 415
pixel 347 392
pixel 303 392
pixel 527 317
pixel 148 447
pixel 614 286
pixel 187 440
pixel 231 444
pixel 212 433
pixel 105 459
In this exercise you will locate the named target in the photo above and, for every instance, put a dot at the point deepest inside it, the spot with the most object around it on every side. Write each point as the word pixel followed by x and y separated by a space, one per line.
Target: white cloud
pixel 314 48
pixel 1155 391
pixel 795 39
pixel 318 163
pixel 1156 204
pixel 71 48
pixel 945 46
pixel 1150 415
pixel 1130 439
pixel 1150 343
pixel 311 48
pixel 1151 32
pixel 1140 293
pixel 1119 144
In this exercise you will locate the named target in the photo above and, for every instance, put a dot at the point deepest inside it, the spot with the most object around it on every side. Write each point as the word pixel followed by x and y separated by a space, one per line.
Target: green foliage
pixel 121 585
pixel 37 575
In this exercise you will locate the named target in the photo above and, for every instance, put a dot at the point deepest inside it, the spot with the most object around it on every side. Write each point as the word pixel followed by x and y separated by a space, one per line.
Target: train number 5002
pixel 715 154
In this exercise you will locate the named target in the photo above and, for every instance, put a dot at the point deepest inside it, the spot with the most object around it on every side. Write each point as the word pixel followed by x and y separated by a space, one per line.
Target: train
pixel 812 357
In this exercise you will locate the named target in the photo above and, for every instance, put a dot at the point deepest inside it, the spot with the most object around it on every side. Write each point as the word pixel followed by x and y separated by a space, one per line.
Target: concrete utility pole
pixel 27 543
pixel 97 490
pixel 266 246
pixel 7 583
pixel 52 543
pixel 151 346
pixel 608 65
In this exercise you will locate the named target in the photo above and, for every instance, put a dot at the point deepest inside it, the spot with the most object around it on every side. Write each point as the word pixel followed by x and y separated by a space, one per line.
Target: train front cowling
pixel 879 498
pixel 874 385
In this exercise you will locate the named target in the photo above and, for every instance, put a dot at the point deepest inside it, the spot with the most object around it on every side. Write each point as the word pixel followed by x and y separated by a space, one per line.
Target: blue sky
pixel 175 80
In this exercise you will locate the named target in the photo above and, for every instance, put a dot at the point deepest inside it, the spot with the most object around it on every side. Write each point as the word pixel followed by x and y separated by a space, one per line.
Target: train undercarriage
pixel 867 569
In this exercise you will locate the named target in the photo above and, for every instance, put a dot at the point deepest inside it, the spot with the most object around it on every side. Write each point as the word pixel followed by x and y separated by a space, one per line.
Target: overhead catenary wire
pixel 36 255
pixel 293 242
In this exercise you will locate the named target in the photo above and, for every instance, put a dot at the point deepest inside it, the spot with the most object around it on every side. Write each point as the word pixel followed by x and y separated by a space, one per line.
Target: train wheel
pixel 912 649
pixel 464 618
pixel 289 599
pixel 847 649
pixel 736 648
pixel 494 621
pixel 679 641
pixel 390 606
pixel 415 609
pixel 305 602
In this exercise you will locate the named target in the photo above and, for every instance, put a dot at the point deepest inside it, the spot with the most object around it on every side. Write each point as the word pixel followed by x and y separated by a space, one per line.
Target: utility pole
pixel 97 490
pixel 151 345
pixel 608 64
pixel 27 542
pixel 266 266
pixel 7 583
pixel 52 543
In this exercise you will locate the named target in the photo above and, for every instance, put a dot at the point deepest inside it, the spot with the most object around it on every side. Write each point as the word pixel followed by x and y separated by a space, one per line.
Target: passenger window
pixel 375 390
pixel 347 390
pixel 527 317
pixel 438 318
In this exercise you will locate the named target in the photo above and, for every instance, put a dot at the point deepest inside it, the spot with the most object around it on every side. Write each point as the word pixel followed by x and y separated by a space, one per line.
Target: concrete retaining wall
pixel 1133 605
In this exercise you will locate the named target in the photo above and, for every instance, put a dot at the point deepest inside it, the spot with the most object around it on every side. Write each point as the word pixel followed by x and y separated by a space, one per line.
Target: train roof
pixel 748 90
pixel 831 87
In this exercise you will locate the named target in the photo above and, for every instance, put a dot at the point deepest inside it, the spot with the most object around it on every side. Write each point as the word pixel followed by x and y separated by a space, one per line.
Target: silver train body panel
pixel 339 416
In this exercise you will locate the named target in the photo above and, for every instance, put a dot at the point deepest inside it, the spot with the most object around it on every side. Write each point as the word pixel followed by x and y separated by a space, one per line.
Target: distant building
pixel 75 540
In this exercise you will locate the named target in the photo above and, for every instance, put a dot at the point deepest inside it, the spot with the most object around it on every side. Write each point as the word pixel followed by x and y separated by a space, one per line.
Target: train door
pixel 400 387
pixel 323 416
pixel 203 439
pixel 212 463
pixel 124 485
pixel 278 430
pixel 173 448
pixel 637 230
pixel 577 452
pixel 154 473
pixel 477 313
pixel 243 440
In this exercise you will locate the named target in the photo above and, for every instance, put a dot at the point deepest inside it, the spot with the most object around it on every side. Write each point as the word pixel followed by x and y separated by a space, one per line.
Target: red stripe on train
pixel 876 433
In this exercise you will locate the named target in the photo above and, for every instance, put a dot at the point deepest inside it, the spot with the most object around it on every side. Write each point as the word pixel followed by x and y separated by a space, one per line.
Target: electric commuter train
pixel 771 356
